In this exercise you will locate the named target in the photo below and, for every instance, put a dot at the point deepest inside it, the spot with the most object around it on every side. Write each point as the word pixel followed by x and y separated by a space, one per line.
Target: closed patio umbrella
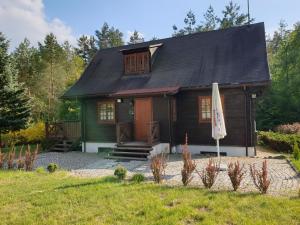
pixel 218 124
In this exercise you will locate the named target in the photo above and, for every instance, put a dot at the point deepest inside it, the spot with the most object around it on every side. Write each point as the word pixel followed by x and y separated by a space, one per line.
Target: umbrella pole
pixel 218 149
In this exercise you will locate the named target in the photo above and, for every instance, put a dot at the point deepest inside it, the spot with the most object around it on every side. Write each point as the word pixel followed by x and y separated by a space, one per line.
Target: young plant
pixel 2 159
pixel 11 158
pixel 189 165
pixel 52 167
pixel 120 172
pixel 138 178
pixel 21 161
pixel 236 174
pixel 158 165
pixel 296 151
pixel 260 177
pixel 30 157
pixel 209 173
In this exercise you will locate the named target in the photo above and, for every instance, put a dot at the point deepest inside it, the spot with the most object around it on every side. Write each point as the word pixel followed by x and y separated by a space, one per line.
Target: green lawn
pixel 41 198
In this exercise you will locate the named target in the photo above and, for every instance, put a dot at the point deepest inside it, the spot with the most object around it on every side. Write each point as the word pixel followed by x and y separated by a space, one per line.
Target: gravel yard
pixel 284 180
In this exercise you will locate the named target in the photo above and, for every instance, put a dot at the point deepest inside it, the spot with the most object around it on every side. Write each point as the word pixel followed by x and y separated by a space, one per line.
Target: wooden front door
pixel 142 117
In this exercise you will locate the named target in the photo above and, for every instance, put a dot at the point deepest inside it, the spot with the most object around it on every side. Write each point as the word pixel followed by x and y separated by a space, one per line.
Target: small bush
pixel 209 174
pixel 236 174
pixel 260 177
pixel 120 172
pixel 30 157
pixel 21 161
pixel 189 166
pixel 296 151
pixel 158 165
pixel 277 141
pixel 11 158
pixel 52 167
pixel 138 178
pixel 293 128
pixel 2 159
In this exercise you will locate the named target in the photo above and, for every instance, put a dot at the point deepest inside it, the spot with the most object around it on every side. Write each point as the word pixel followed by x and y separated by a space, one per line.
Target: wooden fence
pixel 70 130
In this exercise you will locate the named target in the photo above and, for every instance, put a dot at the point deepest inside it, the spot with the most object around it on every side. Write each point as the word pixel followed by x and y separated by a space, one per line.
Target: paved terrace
pixel 284 180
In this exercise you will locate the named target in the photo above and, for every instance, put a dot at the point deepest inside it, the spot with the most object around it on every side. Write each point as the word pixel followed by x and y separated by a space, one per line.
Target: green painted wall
pixel 95 132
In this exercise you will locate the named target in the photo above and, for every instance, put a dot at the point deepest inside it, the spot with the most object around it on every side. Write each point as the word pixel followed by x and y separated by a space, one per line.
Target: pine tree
pixel 210 20
pixel 233 17
pixel 86 48
pixel 14 107
pixel 54 74
pixel 136 37
pixel 109 37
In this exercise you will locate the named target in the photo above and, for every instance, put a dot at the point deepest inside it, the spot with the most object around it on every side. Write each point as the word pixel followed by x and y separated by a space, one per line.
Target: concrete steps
pixel 62 146
pixel 130 152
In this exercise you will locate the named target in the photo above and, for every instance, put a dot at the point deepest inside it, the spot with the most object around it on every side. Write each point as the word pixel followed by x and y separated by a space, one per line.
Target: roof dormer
pixel 139 60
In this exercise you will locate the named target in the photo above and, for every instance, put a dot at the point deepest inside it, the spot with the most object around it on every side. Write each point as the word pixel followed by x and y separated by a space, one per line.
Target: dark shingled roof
pixel 230 56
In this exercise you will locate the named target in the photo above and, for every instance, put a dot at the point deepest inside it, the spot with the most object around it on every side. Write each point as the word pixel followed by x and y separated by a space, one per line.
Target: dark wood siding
pixel 200 133
pixel 125 111
pixel 94 131
pixel 161 114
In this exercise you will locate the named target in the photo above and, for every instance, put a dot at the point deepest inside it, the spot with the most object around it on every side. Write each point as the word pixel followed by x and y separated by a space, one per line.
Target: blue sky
pixel 156 17
pixel 68 19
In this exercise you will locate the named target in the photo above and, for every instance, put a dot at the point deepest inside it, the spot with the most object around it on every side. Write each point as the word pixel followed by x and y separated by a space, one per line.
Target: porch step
pixel 131 152
pixel 126 158
pixel 137 149
pixel 62 146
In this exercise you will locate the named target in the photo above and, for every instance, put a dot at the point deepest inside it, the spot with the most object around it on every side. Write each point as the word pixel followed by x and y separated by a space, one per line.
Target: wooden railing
pixel 153 132
pixel 124 132
pixel 70 130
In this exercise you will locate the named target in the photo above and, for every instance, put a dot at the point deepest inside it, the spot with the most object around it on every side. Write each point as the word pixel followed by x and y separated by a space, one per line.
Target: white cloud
pixel 26 18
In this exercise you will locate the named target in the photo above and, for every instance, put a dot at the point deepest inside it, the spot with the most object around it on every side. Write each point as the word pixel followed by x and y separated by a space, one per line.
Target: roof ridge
pixel 181 36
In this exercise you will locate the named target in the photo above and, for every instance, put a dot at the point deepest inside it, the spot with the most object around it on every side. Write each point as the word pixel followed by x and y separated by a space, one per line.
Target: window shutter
pixel 132 63
pixel 127 64
pixel 146 62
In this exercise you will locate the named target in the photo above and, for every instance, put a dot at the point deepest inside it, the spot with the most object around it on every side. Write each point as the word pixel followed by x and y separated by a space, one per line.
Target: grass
pixel 42 198
pixel 296 163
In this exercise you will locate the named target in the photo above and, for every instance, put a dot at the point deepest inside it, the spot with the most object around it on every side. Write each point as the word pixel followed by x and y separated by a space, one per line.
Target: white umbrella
pixel 217 119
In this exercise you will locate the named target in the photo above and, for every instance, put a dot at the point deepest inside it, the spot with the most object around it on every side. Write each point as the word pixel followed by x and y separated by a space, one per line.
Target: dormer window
pixel 137 63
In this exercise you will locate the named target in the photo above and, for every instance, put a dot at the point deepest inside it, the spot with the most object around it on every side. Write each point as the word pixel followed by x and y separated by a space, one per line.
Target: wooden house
pixel 142 99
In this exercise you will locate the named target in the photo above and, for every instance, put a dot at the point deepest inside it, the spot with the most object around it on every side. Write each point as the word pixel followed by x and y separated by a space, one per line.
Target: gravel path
pixel 284 180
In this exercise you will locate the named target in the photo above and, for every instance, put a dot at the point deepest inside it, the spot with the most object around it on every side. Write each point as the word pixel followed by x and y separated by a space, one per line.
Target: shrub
pixel 52 167
pixel 35 133
pixel 296 151
pixel 2 159
pixel 293 128
pixel 236 174
pixel 260 177
pixel 120 172
pixel 30 157
pixel 189 166
pixel 209 173
pixel 21 162
pixel 158 165
pixel 138 178
pixel 277 141
pixel 11 158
